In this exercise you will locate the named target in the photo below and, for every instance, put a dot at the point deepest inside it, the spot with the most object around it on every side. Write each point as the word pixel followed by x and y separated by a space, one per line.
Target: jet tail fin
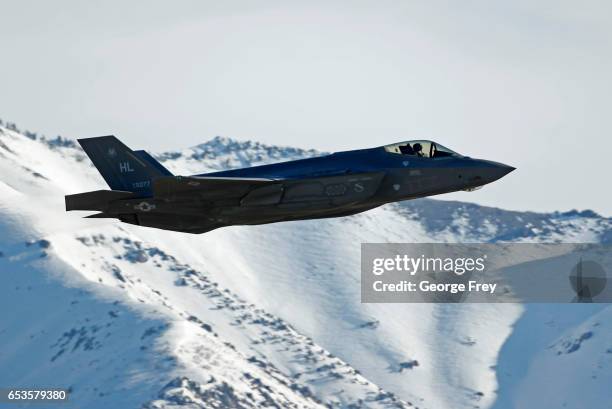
pixel 122 168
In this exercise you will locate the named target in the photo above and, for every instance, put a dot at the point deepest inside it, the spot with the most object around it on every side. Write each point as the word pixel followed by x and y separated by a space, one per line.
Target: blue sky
pixel 525 83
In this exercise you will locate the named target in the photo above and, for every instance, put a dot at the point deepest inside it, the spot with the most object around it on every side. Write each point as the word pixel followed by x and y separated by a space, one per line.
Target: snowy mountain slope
pixel 250 315
pixel 101 347
pixel 531 372
pixel 452 221
pixel 580 361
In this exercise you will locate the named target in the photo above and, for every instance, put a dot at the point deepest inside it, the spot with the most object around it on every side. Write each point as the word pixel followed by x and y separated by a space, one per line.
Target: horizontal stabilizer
pixel 97 200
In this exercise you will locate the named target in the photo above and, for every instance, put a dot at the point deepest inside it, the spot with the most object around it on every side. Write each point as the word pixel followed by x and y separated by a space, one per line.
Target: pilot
pixel 418 149
pixel 406 149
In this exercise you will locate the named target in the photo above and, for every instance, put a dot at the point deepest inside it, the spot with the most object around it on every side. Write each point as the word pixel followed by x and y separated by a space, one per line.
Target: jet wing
pixel 335 190
pixel 209 187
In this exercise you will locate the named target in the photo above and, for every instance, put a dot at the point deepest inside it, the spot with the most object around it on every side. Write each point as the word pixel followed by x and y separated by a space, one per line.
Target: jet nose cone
pixel 495 170
pixel 486 171
pixel 505 169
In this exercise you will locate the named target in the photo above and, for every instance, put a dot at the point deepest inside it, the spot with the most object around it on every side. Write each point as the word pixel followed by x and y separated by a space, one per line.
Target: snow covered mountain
pixel 269 316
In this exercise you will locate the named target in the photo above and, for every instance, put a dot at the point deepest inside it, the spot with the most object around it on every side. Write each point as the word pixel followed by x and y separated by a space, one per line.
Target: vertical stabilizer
pixel 122 168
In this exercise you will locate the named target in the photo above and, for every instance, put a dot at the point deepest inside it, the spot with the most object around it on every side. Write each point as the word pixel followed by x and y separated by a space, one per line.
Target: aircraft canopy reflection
pixel 421 148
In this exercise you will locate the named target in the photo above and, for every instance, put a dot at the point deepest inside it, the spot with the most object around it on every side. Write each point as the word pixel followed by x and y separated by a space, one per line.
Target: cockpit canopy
pixel 424 149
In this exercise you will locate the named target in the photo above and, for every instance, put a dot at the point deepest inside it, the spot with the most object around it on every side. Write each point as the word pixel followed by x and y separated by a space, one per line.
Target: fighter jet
pixel 143 192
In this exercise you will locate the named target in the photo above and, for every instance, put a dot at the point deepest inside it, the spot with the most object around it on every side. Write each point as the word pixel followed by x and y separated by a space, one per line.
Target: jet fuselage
pixel 333 185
